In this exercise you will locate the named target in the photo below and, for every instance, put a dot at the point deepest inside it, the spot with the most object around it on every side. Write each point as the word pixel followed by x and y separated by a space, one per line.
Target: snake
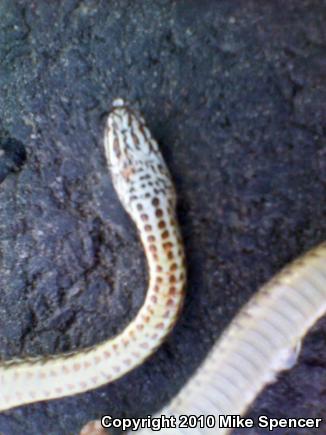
pixel 263 338
pixel 145 188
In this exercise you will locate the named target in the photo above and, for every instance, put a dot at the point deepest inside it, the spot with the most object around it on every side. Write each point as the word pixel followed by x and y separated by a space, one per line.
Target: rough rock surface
pixel 235 93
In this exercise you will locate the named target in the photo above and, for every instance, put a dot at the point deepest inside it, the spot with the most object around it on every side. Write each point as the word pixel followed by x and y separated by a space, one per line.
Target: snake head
pixel 136 164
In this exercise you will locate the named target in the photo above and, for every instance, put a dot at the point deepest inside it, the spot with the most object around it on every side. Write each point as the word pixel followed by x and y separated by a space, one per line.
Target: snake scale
pixel 263 339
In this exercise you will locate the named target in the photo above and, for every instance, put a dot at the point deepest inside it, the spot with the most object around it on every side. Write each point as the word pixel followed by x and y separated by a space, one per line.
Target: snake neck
pixel 165 258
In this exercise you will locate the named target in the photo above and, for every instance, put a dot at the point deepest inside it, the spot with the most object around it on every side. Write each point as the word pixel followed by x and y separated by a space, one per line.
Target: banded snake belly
pixel 263 339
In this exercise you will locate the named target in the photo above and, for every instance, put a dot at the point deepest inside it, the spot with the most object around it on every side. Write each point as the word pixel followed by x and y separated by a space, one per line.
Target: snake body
pixel 143 184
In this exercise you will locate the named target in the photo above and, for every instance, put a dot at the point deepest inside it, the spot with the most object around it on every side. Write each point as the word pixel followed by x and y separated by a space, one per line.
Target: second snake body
pixel 263 339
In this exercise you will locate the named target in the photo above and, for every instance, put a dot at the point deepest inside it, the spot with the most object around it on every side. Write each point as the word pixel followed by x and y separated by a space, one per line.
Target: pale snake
pixel 144 187
pixel 259 342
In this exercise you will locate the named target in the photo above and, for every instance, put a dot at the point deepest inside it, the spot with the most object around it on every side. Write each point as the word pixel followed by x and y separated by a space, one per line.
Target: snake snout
pixel 128 140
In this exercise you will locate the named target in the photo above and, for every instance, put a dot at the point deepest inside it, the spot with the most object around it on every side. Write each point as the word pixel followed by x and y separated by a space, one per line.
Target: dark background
pixel 235 93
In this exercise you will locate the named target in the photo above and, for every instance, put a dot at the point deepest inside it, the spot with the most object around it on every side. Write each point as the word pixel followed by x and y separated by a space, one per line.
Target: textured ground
pixel 235 93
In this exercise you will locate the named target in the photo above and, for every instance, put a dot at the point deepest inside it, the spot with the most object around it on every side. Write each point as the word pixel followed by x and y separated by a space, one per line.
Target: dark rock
pixel 12 157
